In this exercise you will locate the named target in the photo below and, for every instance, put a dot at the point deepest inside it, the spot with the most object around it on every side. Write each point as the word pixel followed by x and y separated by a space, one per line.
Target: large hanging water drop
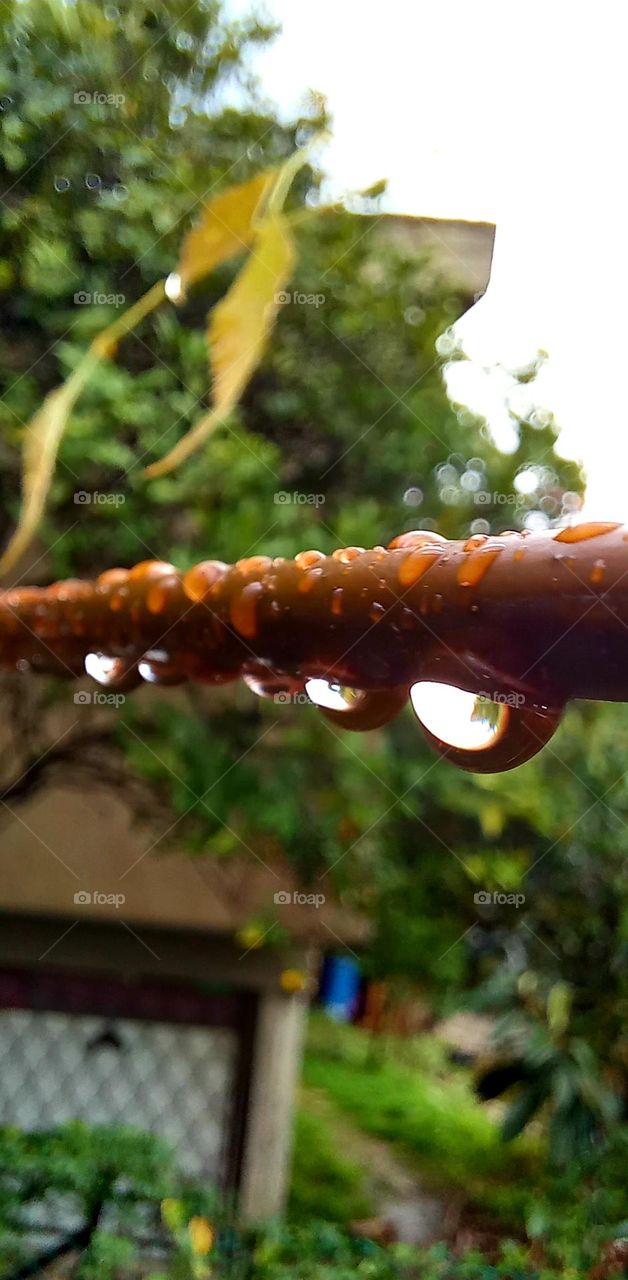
pixel 357 709
pixel 457 718
pixel 266 683
pixel 332 697
pixel 477 733
pixel 112 673
pixel 156 667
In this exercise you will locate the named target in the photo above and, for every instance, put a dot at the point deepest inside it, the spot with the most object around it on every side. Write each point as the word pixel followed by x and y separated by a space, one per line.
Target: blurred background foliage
pixel 349 404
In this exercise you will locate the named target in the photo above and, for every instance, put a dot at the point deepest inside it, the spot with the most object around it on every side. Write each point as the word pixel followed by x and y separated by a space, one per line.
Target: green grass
pixel 427 1111
pixel 414 1099
pixel 324 1184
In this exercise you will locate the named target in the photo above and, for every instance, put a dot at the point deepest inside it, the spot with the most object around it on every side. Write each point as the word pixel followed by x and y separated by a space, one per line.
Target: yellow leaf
pixel 227 226
pixel 201 1235
pixel 239 327
pixel 41 445
pixel 293 980
pixel 43 434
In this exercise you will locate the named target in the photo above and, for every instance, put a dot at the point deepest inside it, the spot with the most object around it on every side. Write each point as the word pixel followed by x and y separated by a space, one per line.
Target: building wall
pixel 215 1074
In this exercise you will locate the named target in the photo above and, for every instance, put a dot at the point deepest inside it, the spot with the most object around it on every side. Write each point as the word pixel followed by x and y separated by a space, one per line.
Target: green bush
pixel 434 1118
pixel 323 1252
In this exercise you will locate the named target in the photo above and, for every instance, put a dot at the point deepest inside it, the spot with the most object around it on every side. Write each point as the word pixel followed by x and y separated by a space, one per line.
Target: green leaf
pixel 521 1112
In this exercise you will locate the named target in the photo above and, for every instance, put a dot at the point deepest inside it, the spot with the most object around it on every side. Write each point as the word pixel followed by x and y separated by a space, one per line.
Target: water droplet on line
pixel 582 532
pixel 334 697
pixel 456 717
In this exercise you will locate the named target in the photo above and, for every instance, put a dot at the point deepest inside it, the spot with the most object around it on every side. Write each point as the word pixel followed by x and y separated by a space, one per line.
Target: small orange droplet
pixel 471 571
pixel 306 559
pixel 116 601
pixel 415 538
pixel 376 612
pixel 477 540
pixel 336 601
pixel 519 553
pixel 158 594
pixel 112 576
pixel 416 564
pixel 598 571
pixel 254 564
pixel 151 569
pixel 308 580
pixel 198 582
pixel 582 532
pixel 346 554
pixel 243 611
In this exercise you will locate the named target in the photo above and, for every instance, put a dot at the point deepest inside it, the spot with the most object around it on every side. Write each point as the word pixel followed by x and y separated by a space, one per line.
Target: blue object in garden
pixel 340 987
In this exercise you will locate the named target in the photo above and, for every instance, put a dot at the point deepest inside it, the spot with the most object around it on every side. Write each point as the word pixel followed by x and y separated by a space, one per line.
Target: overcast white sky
pixel 511 112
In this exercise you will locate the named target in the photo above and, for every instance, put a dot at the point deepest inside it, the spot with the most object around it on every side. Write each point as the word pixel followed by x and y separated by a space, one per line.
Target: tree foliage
pixel 118 122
